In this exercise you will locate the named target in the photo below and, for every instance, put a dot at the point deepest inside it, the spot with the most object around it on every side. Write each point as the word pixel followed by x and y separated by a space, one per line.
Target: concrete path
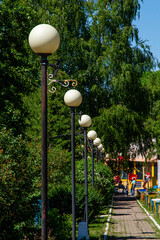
pixel 129 221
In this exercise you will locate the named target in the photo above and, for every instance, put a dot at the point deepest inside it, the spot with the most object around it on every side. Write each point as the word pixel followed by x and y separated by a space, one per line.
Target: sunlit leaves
pixel 118 127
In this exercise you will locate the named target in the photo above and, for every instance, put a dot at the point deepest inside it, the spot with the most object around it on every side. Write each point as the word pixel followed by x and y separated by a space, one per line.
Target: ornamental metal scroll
pixel 64 83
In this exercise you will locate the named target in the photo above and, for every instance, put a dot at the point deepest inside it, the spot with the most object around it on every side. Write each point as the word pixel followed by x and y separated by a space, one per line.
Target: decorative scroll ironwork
pixel 64 83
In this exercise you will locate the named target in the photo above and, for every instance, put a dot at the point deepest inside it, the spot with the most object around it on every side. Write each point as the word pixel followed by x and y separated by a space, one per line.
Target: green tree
pixel 122 121
pixel 119 127
pixel 18 69
pixel 151 82
pixel 19 172
pixel 101 56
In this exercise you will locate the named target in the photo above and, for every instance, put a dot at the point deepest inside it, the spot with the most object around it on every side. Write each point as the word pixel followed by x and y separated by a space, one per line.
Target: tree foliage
pixel 122 121
pixel 119 127
pixel 151 81
pixel 97 50
pixel 17 185
pixel 103 177
pixel 18 70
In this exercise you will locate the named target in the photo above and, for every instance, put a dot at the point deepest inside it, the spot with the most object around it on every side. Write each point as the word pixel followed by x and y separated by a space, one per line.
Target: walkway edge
pixel 108 220
pixel 152 219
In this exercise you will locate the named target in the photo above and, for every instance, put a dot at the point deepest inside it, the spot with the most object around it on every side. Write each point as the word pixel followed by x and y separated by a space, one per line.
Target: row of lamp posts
pixel 73 99
pixel 92 135
pixel 44 40
pixel 85 122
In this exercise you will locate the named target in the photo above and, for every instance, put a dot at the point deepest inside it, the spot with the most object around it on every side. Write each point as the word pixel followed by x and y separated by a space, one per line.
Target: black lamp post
pixel 92 135
pixel 96 143
pixel 44 40
pixel 73 99
pixel 102 151
pixel 85 122
pixel 99 149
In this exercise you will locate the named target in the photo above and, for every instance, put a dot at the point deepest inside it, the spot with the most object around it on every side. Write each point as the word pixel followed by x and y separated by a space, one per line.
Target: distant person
pixel 146 180
pixel 120 185
pixel 126 190
pixel 133 186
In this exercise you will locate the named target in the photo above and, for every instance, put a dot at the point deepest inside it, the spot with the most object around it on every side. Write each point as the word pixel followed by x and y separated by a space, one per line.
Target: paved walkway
pixel 129 221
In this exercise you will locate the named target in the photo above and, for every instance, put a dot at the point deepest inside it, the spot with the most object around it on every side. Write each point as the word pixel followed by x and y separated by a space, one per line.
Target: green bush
pixel 60 197
pixel 104 180
pixel 17 172
pixel 103 177
pixel 59 166
pixel 60 225
pixel 95 202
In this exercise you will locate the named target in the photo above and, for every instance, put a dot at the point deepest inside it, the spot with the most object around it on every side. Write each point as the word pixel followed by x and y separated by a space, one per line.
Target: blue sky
pixel 149 25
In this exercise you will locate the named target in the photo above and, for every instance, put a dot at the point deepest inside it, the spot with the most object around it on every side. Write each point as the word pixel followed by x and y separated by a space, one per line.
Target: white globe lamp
pixel 85 121
pixel 102 150
pixel 92 135
pixel 44 39
pixel 100 146
pixel 97 141
pixel 73 98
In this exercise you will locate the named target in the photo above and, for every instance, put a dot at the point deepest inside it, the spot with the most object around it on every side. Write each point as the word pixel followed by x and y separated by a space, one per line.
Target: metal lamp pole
pixel 73 172
pixel 73 99
pixel 100 146
pixel 92 163
pixel 97 157
pixel 102 151
pixel 85 122
pixel 44 40
pixel 86 174
pixel 92 135
pixel 44 146
pixel 96 143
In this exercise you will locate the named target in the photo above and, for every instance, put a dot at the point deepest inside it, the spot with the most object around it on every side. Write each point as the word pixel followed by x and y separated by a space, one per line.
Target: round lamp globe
pixel 73 98
pixel 85 121
pixel 97 141
pixel 100 146
pixel 44 39
pixel 102 150
pixel 92 135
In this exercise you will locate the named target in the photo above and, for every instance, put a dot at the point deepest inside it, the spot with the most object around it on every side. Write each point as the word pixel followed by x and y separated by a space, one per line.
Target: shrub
pixel 95 202
pixel 60 225
pixel 103 177
pixel 16 187
pixel 60 197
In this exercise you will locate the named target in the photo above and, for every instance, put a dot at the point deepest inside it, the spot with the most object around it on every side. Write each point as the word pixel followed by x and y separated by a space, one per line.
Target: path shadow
pixel 128 238
pixel 120 214
pixel 116 207
pixel 124 198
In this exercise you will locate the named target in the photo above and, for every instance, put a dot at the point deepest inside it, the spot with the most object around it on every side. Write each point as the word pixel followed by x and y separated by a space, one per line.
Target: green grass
pixel 97 227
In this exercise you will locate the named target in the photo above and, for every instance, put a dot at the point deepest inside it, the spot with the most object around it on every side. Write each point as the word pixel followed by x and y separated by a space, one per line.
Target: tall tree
pixel 18 69
pixel 123 64
pixel 19 173
pixel 151 82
